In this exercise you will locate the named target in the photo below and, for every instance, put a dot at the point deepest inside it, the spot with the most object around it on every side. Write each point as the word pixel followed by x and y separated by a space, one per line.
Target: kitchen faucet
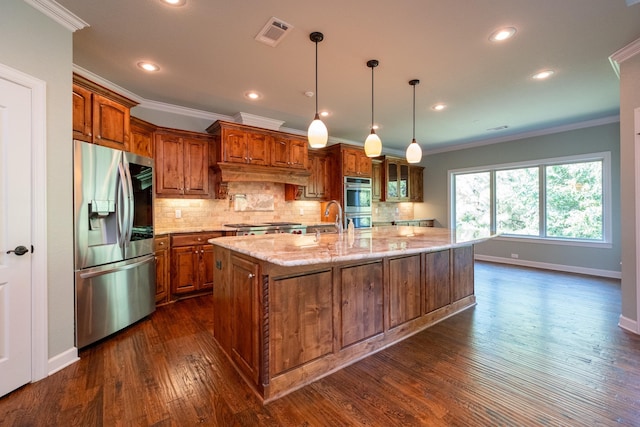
pixel 338 217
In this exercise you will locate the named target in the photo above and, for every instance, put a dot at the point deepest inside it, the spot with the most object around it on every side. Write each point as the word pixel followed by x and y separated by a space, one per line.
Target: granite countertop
pixel 307 249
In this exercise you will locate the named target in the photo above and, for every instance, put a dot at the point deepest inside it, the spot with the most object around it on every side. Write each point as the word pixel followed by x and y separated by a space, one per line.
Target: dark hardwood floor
pixel 540 348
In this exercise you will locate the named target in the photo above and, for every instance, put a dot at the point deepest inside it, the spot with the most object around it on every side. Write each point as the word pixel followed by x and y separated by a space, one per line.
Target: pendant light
pixel 317 133
pixel 414 152
pixel 372 145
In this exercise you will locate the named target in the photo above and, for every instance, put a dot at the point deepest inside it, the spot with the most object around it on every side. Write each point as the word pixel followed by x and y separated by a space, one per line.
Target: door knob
pixel 19 250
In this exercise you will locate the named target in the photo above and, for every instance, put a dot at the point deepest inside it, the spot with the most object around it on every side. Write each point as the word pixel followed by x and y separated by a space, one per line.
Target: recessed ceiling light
pixel 325 113
pixel 175 2
pixel 543 75
pixel 439 107
pixel 252 95
pixel 502 34
pixel 148 66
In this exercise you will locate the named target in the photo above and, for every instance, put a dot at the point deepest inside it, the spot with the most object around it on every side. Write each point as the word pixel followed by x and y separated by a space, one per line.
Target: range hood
pixel 238 172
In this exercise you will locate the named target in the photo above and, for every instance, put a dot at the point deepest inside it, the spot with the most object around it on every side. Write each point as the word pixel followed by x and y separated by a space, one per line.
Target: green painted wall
pixel 588 140
pixel 38 46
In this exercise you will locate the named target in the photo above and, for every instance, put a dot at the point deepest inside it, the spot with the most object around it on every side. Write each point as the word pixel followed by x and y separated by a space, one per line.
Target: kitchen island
pixel 290 309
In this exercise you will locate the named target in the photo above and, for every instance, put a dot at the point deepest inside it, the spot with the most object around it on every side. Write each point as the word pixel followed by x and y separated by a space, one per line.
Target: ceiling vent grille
pixel 273 32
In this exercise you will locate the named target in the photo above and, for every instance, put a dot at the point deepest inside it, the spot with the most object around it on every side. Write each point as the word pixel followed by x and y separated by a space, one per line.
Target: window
pixel 559 199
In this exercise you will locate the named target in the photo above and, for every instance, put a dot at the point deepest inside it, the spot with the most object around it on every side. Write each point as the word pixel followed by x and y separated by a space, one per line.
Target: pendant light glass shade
pixel 318 135
pixel 414 152
pixel 373 144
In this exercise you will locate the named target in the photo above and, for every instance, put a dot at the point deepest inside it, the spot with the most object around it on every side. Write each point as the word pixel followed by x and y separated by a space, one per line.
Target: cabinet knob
pixel 251 276
pixel 161 243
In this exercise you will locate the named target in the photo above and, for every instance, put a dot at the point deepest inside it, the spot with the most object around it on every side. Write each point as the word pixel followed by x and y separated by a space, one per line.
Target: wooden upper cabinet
pixel 82 120
pixel 258 149
pixel 416 184
pixel 100 115
pixel 182 163
pixel 376 180
pixel 289 152
pixel 142 137
pixel 395 175
pixel 355 163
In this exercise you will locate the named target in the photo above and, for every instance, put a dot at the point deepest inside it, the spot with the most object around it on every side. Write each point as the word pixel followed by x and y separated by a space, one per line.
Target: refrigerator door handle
pixel 130 202
pixel 123 203
pixel 102 272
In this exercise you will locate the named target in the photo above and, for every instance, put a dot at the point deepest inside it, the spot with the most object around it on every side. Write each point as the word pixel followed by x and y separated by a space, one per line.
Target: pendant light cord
pixel 372 99
pixel 414 112
pixel 316 78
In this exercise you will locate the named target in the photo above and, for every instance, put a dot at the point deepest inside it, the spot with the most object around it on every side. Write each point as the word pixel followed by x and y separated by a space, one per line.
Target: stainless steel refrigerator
pixel 114 263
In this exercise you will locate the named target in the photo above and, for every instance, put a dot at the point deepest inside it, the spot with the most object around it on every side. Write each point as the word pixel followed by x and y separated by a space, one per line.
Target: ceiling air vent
pixel 273 32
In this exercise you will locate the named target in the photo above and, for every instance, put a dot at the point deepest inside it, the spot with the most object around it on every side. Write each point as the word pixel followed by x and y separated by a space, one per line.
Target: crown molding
pixel 531 134
pixel 61 15
pixel 621 55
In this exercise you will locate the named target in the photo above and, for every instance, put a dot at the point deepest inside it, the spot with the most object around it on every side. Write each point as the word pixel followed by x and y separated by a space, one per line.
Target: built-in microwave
pixel 357 195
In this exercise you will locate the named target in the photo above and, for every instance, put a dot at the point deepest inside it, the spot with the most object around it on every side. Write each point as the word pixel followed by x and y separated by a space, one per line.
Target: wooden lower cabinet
pixel 462 272
pixel 301 310
pixel 284 327
pixel 362 311
pixel 192 263
pixel 438 280
pixel 245 314
pixel 405 290
pixel 161 250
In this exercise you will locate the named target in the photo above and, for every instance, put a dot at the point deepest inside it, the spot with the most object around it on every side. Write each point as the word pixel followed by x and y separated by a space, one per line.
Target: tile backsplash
pixel 205 214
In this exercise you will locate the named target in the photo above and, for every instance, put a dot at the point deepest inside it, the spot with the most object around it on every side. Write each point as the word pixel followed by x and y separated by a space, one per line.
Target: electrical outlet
pixel 301 211
pixel 514 256
pixel 178 213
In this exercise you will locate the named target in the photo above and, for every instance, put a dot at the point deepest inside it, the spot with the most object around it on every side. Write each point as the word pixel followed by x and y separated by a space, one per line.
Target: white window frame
pixel 605 157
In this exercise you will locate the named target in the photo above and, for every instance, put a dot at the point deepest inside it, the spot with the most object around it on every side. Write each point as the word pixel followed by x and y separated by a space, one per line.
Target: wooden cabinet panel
pixel 364 164
pixel 438 282
pixel 300 307
pixel 142 138
pixel 169 164
pixel 196 166
pixel 161 250
pixel 350 163
pixel 280 154
pixel 299 153
pixel 183 270
pixel 245 317
pixel 234 146
pixel 376 181
pixel 182 163
pixel 362 314
pixel 416 183
pixel 206 267
pixel 82 120
pixel 110 123
pixel 258 149
pixel 462 270
pixel 405 290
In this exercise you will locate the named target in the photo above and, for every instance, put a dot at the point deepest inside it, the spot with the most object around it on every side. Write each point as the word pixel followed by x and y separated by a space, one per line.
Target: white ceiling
pixel 209 59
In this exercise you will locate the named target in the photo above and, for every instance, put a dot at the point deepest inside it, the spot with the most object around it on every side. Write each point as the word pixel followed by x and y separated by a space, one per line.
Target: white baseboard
pixel 63 360
pixel 628 324
pixel 549 266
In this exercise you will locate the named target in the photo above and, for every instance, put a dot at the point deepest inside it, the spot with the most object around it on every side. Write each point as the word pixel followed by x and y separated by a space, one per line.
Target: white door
pixel 15 231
